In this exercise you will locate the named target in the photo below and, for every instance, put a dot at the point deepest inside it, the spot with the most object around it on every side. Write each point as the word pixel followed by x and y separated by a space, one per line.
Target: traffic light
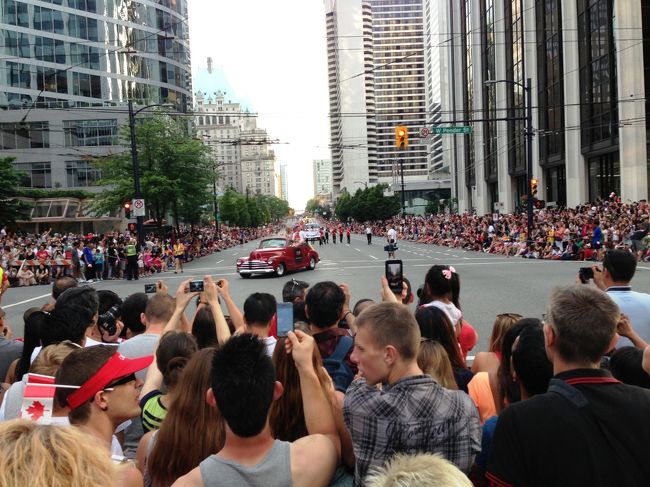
pixel 401 137
pixel 127 209
pixel 533 186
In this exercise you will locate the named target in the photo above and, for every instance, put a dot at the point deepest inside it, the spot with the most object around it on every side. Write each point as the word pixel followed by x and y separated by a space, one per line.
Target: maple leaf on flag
pixel 36 410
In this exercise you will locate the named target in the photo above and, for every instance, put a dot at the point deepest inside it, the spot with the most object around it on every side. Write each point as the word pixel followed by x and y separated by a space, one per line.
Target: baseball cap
pixel 118 366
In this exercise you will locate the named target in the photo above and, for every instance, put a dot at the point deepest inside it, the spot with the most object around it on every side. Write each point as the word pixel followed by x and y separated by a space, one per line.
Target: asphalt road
pixel 489 284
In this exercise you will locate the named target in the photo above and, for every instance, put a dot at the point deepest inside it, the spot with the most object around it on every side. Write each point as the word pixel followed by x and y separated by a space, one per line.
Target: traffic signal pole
pixel 402 142
pixel 529 156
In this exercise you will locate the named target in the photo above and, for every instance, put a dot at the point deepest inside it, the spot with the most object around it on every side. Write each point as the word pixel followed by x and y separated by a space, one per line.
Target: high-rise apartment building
pixel 377 80
pixel 589 66
pixel 67 69
pixel 322 170
pixel 283 183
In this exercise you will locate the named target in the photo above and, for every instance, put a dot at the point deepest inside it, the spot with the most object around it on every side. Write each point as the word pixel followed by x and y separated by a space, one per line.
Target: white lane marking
pixel 357 250
pixel 373 257
pixel 26 301
pixel 219 262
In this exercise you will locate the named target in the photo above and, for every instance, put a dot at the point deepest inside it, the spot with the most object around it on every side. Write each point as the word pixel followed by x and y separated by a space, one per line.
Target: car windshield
pixel 272 243
pixel 312 226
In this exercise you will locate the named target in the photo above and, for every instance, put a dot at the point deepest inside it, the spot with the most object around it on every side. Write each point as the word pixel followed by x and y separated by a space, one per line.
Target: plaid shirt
pixel 413 415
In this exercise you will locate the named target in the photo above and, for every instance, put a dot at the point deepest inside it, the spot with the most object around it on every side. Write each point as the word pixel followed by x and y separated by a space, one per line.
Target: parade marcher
pixel 369 234
pixel 347 233
pixel 391 238
pixel 179 254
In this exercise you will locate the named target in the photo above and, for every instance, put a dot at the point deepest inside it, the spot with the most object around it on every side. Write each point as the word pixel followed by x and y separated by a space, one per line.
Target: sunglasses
pixel 120 382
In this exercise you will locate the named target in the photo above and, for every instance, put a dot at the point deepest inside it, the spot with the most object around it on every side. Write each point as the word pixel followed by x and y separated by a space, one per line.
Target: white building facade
pixel 322 170
pixel 590 77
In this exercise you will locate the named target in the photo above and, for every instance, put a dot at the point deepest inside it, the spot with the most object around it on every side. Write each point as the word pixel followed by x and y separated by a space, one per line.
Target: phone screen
pixel 394 275
pixel 149 288
pixel 196 286
pixel 285 319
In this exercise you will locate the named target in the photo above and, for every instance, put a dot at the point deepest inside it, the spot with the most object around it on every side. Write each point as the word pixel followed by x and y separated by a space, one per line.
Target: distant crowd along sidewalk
pixel 32 259
pixel 581 233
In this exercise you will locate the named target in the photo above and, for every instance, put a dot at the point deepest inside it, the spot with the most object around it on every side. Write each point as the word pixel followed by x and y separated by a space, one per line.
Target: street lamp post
pixel 529 148
pixel 136 164
pixel 365 185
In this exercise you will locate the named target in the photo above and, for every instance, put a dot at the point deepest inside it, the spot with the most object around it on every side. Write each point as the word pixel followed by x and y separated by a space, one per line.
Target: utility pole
pixel 402 142
pixel 136 173
pixel 529 155
pixel 401 169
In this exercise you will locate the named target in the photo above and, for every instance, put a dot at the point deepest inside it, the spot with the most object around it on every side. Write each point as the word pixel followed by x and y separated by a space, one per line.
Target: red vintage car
pixel 278 255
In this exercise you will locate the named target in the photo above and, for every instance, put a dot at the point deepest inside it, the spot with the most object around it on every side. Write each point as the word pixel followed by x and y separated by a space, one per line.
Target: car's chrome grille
pixel 256 264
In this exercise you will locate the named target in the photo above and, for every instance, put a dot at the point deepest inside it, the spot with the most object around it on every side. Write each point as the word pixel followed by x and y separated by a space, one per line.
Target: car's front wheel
pixel 245 276
pixel 312 264
pixel 279 270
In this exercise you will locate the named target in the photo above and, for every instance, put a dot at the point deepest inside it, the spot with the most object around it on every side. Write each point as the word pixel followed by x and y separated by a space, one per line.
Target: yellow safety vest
pixel 130 250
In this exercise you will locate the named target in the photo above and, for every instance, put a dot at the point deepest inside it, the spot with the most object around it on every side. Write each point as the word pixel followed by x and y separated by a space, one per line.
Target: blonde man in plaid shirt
pixel 411 413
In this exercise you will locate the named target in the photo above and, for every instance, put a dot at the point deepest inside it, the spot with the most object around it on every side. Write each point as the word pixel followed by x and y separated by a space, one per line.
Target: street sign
pixel 138 207
pixel 425 132
pixel 460 129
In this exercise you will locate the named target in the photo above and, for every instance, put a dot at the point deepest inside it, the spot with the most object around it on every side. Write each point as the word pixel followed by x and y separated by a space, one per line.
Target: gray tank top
pixel 274 470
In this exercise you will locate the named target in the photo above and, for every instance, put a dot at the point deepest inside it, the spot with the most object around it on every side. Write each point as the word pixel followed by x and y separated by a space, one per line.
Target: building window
pixel 604 176
pixel 90 133
pixel 598 100
pixel 81 174
pixel 54 80
pixel 20 75
pixel 556 185
pixel 515 93
pixel 550 94
pixel 51 50
pixel 470 169
pixel 35 174
pixel 489 92
pixel 86 85
pixel 31 135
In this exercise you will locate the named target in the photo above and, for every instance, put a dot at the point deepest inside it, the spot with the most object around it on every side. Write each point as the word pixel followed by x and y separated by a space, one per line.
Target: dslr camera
pixel 107 321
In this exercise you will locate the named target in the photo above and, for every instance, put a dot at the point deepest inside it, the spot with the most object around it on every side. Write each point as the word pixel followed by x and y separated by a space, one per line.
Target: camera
pixel 585 273
pixel 196 286
pixel 107 321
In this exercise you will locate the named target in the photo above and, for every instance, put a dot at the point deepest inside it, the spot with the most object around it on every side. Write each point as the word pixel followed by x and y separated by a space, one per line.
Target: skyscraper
pixel 377 81
pixel 322 169
pixel 67 70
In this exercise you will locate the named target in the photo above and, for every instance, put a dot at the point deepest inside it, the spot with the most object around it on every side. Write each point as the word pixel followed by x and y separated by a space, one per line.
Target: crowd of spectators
pixel 581 233
pixel 31 260
pixel 363 392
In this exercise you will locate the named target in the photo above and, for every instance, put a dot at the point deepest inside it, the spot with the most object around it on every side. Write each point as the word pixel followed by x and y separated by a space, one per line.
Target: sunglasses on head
pixel 120 382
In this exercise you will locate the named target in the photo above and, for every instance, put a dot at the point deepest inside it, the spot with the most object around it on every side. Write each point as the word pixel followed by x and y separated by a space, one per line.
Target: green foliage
pixel 316 207
pixel 367 204
pixel 436 205
pixel 175 171
pixel 239 210
pixel 11 208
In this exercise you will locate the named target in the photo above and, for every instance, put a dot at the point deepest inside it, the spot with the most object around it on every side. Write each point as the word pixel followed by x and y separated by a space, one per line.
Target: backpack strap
pixel 572 394
pixel 344 345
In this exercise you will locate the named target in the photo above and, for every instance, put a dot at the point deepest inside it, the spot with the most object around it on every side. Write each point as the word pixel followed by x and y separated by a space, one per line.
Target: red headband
pixel 117 366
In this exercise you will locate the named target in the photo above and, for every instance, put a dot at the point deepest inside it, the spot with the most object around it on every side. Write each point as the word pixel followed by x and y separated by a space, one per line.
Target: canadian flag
pixel 38 398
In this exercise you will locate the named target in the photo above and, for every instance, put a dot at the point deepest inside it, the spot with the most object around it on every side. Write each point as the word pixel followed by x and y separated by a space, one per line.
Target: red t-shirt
pixel 42 255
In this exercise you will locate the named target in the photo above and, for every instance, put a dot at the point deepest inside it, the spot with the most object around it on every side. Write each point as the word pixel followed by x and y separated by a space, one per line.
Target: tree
pixel 11 208
pixel 174 170
pixel 343 206
pixel 368 204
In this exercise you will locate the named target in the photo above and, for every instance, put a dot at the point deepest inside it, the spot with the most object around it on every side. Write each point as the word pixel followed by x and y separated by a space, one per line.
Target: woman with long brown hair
pixel 191 431
pixel 287 417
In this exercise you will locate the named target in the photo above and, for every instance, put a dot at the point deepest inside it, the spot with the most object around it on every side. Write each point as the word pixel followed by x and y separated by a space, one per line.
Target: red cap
pixel 117 366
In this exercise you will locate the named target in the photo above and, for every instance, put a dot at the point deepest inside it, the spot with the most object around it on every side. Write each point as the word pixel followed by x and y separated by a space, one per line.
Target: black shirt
pixel 589 429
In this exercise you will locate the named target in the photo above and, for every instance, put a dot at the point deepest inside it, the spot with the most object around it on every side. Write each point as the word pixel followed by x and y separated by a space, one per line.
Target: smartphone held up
pixel 395 275
pixel 285 318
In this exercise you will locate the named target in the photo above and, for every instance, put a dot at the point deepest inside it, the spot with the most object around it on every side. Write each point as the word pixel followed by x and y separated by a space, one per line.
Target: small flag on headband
pixel 38 398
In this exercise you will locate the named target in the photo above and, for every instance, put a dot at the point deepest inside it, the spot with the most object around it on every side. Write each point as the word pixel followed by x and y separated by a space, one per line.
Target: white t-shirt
pixel 392 234
pixel 270 345
pixel 450 309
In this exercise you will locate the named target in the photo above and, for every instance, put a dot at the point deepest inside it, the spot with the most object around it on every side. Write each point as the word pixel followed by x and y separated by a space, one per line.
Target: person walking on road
pixel 347 233
pixel 391 237
pixel 369 234
pixel 341 234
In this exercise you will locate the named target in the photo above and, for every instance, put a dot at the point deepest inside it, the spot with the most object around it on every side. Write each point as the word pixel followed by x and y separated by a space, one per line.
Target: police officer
pixel 131 260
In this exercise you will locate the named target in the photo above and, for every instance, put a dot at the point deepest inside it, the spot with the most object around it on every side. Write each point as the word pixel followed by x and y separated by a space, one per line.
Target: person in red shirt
pixel 347 233
pixel 42 255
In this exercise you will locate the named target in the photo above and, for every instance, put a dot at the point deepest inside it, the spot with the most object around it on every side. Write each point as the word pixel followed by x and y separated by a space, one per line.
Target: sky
pixel 274 56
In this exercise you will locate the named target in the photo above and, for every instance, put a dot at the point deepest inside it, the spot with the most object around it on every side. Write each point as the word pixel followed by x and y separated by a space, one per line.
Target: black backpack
pixel 337 368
